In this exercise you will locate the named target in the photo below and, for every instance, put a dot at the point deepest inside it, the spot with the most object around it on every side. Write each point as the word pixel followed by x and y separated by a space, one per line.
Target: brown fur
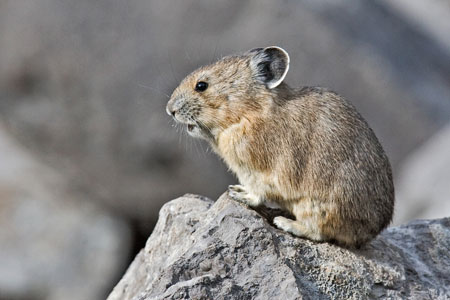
pixel 306 149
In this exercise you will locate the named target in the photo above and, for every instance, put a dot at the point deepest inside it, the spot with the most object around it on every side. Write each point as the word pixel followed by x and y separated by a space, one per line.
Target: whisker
pixel 215 50
pixel 172 70
pixel 187 55
pixel 153 89
pixel 199 146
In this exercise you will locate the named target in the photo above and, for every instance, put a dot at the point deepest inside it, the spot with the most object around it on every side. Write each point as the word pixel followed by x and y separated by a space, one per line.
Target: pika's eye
pixel 201 86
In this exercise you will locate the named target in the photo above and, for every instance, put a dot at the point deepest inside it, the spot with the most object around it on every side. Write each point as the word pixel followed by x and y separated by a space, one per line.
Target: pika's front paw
pixel 240 194
pixel 236 189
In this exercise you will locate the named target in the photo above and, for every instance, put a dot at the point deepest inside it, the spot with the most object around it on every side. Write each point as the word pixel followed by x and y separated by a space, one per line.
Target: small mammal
pixel 306 149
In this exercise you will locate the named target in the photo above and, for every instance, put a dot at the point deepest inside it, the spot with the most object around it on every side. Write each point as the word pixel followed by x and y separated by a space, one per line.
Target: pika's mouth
pixel 195 129
pixel 190 127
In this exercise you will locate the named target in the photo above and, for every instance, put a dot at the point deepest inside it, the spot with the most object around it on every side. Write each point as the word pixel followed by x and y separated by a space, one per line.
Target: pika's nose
pixel 169 109
pixel 173 106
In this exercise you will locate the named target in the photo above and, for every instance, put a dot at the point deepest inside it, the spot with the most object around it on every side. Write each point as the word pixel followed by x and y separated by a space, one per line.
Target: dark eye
pixel 201 86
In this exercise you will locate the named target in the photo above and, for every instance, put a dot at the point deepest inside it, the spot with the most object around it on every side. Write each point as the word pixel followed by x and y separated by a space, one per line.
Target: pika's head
pixel 214 97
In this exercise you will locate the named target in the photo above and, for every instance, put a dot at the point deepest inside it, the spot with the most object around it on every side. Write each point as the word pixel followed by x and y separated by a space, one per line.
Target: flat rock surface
pixel 202 249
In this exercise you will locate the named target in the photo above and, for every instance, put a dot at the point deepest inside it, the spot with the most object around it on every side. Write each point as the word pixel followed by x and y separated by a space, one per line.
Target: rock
pixel 423 189
pixel 223 250
pixel 53 245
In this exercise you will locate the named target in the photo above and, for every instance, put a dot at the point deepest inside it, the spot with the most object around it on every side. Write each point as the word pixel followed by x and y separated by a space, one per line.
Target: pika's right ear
pixel 269 65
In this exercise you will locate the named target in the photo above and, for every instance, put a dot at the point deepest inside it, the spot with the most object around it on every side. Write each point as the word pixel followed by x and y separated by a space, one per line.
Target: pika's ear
pixel 269 65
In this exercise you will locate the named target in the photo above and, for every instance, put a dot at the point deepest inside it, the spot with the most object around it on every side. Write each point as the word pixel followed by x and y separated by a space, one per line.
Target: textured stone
pixel 224 250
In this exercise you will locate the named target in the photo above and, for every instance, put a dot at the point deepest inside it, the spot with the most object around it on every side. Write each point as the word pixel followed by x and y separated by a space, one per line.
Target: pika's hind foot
pixel 298 228
pixel 240 194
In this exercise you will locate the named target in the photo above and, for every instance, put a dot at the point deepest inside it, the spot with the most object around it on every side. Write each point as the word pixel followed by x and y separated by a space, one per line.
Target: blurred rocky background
pixel 88 154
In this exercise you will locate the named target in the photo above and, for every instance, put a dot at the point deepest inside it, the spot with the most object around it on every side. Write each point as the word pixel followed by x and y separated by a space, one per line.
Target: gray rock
pixel 223 250
pixel 53 245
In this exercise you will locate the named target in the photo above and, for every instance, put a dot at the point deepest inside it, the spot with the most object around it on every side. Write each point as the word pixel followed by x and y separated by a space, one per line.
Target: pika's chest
pixel 234 146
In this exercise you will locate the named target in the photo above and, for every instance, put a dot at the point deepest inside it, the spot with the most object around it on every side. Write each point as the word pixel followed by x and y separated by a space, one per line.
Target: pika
pixel 306 149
